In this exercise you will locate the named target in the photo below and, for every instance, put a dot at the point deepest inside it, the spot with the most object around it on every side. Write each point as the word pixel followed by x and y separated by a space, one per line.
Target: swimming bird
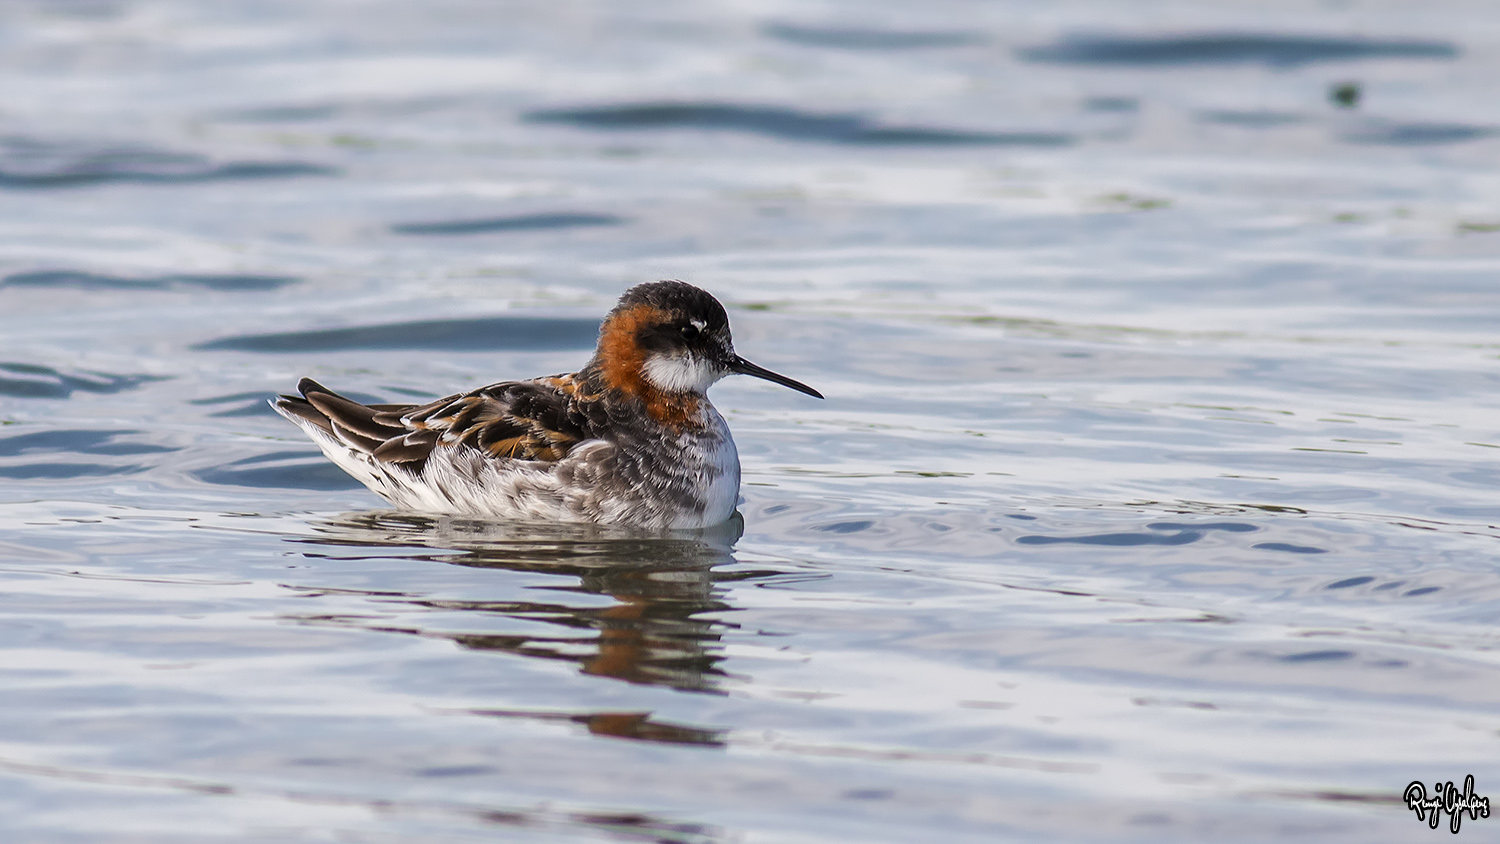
pixel 631 439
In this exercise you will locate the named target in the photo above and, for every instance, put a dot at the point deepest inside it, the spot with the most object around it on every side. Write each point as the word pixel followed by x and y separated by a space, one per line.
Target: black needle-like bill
pixel 745 367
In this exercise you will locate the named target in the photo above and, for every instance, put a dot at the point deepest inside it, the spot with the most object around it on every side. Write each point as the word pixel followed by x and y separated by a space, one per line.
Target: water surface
pixel 1156 496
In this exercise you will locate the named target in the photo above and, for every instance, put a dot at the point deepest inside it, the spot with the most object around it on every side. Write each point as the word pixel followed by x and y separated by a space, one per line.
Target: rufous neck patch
pixel 622 361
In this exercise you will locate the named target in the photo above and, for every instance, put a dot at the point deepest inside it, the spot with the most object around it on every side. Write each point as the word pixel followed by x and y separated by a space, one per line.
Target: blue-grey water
pixel 1156 496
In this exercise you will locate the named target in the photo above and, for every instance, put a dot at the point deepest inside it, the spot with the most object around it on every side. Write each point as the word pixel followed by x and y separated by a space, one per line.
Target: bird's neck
pixel 615 381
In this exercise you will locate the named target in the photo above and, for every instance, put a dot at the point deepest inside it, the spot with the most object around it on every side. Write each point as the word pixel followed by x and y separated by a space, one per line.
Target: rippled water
pixel 1156 496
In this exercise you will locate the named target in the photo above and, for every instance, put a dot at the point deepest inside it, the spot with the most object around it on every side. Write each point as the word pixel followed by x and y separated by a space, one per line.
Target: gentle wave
pixel 522 222
pixel 35 381
pixel 859 38
pixel 79 280
pixel 452 335
pixel 785 124
pixel 1232 48
pixel 28 163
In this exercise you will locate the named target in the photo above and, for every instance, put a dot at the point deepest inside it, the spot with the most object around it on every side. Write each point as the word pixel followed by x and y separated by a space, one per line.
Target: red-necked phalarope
pixel 630 439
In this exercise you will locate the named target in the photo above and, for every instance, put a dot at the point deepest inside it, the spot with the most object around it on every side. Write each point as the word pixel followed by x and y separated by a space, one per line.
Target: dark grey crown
pixel 679 298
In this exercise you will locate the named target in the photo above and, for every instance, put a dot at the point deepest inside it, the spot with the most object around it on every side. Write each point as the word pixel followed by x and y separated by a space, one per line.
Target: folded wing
pixel 518 420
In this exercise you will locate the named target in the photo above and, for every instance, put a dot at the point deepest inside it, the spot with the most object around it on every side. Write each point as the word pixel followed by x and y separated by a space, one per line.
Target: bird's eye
pixel 690 332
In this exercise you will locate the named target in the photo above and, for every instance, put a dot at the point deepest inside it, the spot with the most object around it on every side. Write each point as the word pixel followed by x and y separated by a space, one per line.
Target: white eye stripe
pixel 699 324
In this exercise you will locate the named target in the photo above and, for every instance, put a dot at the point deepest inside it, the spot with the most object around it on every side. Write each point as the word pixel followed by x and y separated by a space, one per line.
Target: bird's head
pixel 674 338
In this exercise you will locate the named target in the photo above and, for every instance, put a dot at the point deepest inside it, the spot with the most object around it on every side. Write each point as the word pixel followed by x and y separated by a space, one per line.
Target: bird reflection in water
pixel 654 633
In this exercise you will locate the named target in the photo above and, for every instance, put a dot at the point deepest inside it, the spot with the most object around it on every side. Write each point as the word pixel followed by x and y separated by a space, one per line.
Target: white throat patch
pixel 684 374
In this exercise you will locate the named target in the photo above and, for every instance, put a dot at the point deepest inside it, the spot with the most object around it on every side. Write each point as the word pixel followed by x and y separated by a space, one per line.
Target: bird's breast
pixel 721 460
pixel 687 478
